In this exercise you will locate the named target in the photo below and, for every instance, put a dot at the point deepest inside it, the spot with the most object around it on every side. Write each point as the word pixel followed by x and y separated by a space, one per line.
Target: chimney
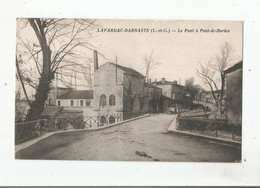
pixel 155 80
pixel 163 80
pixel 150 81
pixel 175 82
pixel 95 60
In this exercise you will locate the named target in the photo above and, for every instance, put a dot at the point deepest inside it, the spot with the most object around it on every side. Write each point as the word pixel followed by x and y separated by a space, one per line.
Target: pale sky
pixel 177 52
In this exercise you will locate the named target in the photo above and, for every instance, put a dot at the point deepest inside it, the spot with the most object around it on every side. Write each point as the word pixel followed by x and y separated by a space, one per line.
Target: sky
pixel 178 53
pixel 178 46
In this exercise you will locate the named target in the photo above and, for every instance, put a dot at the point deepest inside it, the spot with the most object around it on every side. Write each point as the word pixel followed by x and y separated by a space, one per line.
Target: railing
pixel 196 113
pixel 28 130
pixel 102 120
pixel 227 129
pixel 86 122
pixel 108 119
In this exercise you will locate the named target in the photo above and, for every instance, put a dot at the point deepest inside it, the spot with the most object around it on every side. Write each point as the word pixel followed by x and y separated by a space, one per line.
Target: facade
pixel 54 93
pixel 233 102
pixel 180 99
pixel 153 97
pixel 117 90
pixel 77 100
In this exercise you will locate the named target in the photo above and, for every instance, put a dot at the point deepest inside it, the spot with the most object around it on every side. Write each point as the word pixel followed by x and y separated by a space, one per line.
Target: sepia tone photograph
pixel 128 90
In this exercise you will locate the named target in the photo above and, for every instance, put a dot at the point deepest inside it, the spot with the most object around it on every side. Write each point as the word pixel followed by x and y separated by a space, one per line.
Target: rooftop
pixel 151 86
pixel 77 94
pixel 51 110
pixel 168 83
pixel 234 67
pixel 129 70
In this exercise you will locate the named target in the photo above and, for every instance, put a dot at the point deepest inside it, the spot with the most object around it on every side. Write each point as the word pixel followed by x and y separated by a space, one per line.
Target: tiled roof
pixel 129 70
pixel 51 110
pixel 151 86
pixel 77 94
pixel 165 83
pixel 234 67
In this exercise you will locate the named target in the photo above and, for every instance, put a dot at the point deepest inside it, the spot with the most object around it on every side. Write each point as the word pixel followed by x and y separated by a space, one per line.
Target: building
pixel 77 100
pixel 118 90
pixel 54 93
pixel 118 93
pixel 233 102
pixel 153 97
pixel 175 95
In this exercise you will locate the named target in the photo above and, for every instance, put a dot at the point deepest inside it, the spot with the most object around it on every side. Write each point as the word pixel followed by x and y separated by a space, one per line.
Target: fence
pixel 104 120
pixel 197 113
pixel 202 125
pixel 28 130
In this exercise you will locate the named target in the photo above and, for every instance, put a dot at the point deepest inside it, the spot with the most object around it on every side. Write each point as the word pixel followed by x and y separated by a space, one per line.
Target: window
pixel 58 103
pixel 81 103
pixel 71 103
pixel 103 100
pixel 112 100
pixel 87 103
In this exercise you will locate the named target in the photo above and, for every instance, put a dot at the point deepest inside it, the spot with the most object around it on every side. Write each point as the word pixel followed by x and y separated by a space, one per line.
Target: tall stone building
pixel 233 102
pixel 117 90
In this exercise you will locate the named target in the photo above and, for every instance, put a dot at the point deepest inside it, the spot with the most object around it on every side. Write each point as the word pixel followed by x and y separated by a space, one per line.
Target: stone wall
pixel 108 80
pixel 233 103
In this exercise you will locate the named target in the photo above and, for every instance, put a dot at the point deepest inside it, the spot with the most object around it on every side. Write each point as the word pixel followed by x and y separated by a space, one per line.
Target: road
pixel 144 139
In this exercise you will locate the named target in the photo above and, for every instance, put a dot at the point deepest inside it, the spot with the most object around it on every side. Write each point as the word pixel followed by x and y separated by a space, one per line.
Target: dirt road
pixel 145 139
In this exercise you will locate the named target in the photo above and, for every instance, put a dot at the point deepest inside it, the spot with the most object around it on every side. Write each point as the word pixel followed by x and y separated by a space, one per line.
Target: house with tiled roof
pixel 71 99
pixel 75 98
pixel 175 94
pixel 117 90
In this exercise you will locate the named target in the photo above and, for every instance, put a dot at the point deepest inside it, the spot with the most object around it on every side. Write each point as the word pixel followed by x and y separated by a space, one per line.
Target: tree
pixel 56 47
pixel 20 77
pixel 212 73
pixel 89 77
pixel 150 63
pixel 191 88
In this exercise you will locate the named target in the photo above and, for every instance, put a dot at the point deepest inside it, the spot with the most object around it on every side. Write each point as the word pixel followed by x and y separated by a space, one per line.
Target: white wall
pixel 67 103
pixel 106 82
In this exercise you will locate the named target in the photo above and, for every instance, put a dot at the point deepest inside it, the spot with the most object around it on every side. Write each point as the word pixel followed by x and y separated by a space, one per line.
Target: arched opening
pixel 112 100
pixel 103 100
pixel 103 120
pixel 112 119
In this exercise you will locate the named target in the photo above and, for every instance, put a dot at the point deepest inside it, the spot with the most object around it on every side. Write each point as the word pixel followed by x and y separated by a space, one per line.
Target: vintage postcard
pixel 128 90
